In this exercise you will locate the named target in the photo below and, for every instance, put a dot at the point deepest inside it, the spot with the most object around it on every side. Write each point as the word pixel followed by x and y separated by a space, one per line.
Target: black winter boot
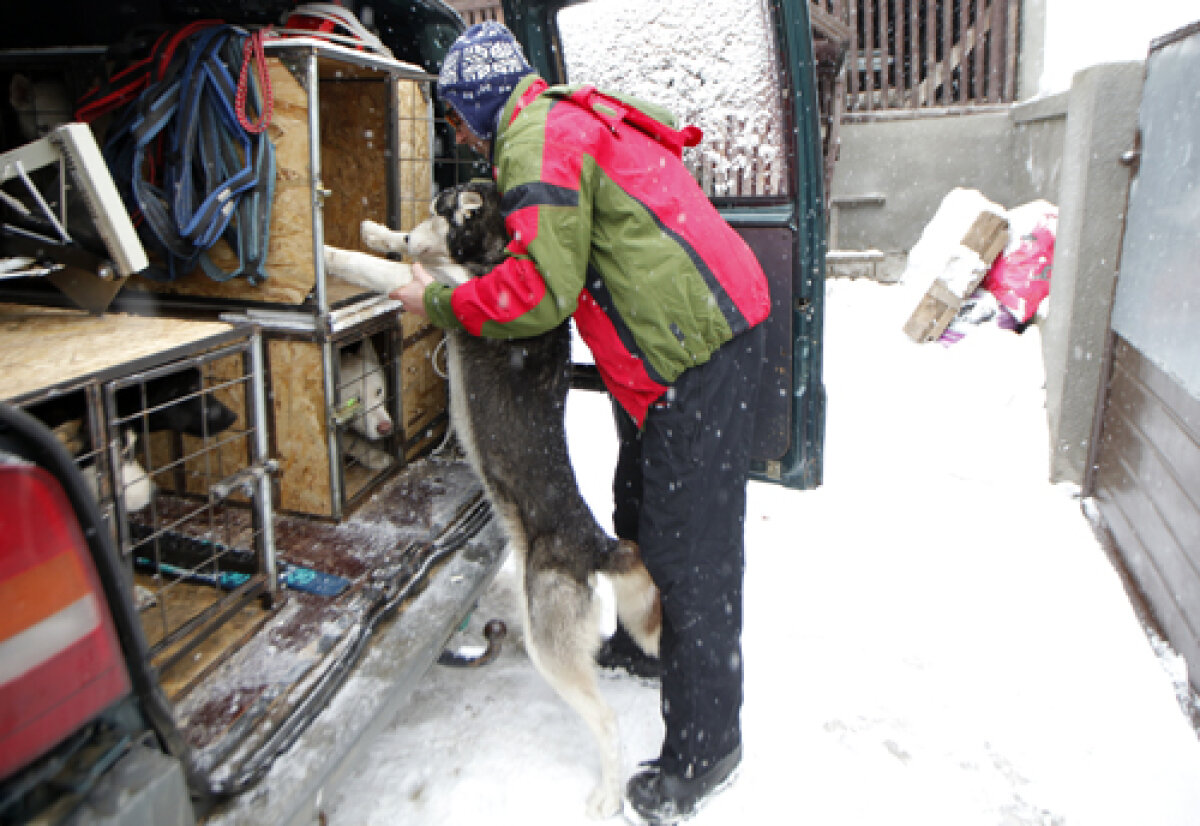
pixel 621 652
pixel 659 798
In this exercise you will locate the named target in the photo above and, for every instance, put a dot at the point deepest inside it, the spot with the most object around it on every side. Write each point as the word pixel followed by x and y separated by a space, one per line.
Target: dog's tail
pixel 617 556
pixel 639 608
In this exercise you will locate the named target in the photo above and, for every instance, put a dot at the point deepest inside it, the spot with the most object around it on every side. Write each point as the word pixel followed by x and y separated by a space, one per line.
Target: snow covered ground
pixel 932 637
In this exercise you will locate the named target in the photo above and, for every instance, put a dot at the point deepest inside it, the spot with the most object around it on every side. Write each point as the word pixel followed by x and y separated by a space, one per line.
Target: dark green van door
pixel 744 72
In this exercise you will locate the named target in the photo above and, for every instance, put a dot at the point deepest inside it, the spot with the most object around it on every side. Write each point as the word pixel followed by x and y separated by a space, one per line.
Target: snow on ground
pixel 932 637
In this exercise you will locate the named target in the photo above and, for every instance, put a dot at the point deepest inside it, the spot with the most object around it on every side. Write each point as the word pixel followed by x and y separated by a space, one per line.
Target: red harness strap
pixel 126 85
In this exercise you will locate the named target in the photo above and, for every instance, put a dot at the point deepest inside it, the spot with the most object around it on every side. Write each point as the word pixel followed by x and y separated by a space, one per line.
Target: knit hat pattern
pixel 481 69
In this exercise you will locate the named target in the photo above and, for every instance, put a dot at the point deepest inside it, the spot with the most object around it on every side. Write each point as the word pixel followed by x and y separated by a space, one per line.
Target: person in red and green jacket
pixel 609 228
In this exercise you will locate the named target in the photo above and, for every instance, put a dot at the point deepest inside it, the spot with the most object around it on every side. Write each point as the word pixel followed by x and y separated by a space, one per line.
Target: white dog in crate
pixel 136 486
pixel 362 394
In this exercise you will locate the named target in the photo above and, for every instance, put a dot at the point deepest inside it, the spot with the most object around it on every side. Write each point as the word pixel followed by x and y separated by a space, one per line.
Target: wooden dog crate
pixel 354 139
pixel 320 472
pixel 199 545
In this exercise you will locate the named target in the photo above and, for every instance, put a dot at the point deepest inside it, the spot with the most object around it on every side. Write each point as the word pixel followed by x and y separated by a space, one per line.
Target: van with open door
pixel 233 584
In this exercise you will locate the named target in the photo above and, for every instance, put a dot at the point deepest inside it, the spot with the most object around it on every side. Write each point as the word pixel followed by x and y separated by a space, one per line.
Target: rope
pixel 299 25
pixel 252 51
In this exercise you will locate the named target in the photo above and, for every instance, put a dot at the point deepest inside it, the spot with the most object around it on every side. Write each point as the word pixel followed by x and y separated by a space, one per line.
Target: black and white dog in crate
pixel 177 401
pixel 507 400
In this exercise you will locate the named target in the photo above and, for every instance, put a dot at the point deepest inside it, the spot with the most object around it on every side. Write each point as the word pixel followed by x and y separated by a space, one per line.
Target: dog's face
pixel 178 401
pixel 465 227
pixel 362 379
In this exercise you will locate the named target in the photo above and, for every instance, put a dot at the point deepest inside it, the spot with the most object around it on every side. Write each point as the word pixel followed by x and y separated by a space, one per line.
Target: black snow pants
pixel 680 493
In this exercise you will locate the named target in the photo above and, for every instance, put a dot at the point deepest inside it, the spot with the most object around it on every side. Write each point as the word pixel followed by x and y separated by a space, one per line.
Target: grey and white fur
pixel 507 408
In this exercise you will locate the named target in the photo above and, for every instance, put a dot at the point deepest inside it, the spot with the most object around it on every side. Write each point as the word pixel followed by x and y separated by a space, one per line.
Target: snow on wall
pixel 709 61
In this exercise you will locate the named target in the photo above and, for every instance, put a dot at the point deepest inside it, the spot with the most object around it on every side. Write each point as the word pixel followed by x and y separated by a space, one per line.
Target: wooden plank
pixel 1171 524
pixel 946 65
pixel 886 82
pixel 83 344
pixel 869 53
pixel 188 672
pixel 1152 589
pixel 986 236
pixel 1148 490
pixel 855 57
pixel 829 24
pixel 423 399
pixel 1011 46
pixel 995 53
pixel 933 313
pixel 1168 457
pixel 354 133
pixel 299 426
pixel 914 53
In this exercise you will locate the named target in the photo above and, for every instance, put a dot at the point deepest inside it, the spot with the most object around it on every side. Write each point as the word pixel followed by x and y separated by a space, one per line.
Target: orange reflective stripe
pixel 40 592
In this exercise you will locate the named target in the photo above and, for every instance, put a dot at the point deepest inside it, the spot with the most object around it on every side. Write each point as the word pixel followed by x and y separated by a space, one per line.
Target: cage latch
pixel 246 480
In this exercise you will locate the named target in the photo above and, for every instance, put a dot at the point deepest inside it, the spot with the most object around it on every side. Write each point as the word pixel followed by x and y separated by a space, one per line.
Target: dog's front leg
pixel 368 271
pixel 382 239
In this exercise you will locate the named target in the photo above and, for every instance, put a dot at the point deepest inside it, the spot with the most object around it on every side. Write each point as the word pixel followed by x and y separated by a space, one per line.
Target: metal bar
pixel 317 186
pixel 202 625
pixel 365 59
pixel 256 413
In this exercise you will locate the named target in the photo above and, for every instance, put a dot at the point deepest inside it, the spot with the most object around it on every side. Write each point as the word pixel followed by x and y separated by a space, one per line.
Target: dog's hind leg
pixel 638 606
pixel 562 634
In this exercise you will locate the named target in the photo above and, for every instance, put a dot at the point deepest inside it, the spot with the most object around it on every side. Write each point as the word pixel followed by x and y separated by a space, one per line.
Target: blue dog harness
pixel 187 163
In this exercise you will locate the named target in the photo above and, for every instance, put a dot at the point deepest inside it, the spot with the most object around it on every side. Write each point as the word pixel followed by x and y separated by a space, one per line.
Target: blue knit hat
pixel 481 69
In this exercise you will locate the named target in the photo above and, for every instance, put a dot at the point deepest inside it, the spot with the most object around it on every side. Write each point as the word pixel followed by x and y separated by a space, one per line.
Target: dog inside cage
pixel 196 548
pixel 367 409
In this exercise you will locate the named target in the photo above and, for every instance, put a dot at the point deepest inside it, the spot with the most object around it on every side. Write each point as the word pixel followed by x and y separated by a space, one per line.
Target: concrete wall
pixel 893 174
pixel 1039 129
pixel 1101 125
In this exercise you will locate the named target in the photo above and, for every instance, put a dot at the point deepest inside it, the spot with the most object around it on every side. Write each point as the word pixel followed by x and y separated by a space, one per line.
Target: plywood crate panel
pixel 319 478
pixel 375 136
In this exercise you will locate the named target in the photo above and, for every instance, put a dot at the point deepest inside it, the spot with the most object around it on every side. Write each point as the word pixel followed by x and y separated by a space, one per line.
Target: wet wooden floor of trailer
pixel 237 684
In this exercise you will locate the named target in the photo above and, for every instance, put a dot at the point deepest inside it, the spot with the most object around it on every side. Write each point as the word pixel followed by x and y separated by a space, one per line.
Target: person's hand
pixel 412 294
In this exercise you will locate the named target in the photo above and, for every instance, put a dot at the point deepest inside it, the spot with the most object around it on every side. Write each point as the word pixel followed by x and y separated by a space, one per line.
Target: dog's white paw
pixel 366 454
pixel 604 801
pixel 377 237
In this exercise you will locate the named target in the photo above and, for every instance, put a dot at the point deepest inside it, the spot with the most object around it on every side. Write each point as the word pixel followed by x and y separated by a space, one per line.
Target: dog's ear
pixel 468 202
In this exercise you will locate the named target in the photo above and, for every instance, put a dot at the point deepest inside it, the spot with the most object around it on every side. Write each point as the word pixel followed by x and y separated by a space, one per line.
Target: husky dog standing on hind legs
pixel 507 407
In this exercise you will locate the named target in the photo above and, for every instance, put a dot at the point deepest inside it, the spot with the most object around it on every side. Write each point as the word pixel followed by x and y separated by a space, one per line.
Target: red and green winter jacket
pixel 608 225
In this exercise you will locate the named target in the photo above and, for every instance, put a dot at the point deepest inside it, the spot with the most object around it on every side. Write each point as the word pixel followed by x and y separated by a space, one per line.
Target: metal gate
pixel 1144 471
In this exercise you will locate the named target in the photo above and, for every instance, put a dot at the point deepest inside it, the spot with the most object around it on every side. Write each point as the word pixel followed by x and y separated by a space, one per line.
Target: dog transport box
pixel 353 134
pixel 167 419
